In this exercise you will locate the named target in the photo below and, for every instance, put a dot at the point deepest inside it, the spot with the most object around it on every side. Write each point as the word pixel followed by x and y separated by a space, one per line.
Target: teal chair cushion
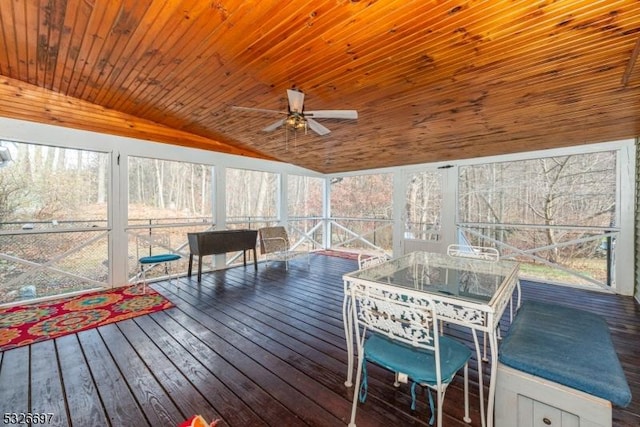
pixel 155 259
pixel 418 364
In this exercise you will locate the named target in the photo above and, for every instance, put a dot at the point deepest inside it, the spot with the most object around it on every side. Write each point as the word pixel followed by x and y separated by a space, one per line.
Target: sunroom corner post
pixel 118 218
pixel 326 213
pixel 398 211
pixel 449 214
pixel 624 251
pixel 220 208
pixel 282 203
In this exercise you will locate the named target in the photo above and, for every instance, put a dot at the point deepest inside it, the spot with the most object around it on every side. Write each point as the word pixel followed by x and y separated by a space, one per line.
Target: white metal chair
pixel 487 254
pixel 477 252
pixel 366 261
pixel 275 246
pixel 398 330
pixel 152 260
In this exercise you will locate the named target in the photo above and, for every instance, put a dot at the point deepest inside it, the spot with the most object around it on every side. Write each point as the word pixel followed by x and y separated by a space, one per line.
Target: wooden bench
pixel 558 367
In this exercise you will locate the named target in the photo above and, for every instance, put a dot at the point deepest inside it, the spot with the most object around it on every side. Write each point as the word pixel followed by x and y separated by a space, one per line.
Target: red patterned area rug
pixel 28 324
pixel 339 254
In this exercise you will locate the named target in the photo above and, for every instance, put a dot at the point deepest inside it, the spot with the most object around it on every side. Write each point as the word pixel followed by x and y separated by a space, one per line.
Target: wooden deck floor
pixel 252 349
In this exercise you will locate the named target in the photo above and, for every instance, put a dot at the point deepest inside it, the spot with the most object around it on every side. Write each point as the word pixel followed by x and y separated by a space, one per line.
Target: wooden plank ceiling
pixel 431 80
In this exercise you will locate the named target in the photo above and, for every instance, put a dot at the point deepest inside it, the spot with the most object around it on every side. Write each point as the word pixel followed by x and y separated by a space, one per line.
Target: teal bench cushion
pixel 568 346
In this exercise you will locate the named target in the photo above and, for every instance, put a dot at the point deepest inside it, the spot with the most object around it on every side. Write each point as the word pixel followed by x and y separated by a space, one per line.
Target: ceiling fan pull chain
pixel 286 139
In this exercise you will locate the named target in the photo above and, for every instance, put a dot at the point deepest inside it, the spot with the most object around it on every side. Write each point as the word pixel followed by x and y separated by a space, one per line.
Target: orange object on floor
pixel 198 421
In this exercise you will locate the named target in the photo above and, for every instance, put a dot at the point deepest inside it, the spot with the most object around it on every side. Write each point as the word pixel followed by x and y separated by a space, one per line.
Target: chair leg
pixel 356 392
pixel 480 377
pixel 176 278
pixel 144 279
pixel 347 319
pixel 168 271
pixel 440 394
pixel 466 418
pixel 484 339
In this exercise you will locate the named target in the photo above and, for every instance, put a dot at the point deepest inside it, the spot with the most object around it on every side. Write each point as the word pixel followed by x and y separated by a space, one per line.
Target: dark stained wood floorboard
pixel 261 348
pixel 81 394
pixel 46 385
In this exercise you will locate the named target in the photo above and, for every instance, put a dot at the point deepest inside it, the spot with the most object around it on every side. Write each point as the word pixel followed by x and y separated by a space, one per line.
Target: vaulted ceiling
pixel 431 80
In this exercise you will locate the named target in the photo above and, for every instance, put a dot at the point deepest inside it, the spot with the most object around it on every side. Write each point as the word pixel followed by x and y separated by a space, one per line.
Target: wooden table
pixel 220 242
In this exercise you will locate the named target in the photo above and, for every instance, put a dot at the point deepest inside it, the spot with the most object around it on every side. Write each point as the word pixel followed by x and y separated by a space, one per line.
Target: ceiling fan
pixel 298 119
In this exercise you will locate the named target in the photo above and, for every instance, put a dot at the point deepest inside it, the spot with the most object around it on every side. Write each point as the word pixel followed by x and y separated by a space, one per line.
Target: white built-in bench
pixel 558 367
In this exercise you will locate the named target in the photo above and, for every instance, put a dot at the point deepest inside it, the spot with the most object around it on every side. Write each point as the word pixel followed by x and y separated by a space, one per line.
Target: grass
pixel 590 267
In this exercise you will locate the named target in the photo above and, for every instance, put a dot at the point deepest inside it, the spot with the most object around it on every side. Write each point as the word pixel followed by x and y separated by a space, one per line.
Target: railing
pixel 20 227
pixel 306 232
pixel 42 252
pixel 162 235
pixel 41 259
pixel 579 255
pixel 366 234
pixel 303 231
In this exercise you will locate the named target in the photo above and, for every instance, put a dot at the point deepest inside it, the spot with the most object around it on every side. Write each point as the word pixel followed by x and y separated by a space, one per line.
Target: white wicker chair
pixel 275 246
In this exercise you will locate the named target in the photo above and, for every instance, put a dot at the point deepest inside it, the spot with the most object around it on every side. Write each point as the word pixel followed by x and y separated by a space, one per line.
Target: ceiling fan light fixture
pixel 296 121
pixel 296 118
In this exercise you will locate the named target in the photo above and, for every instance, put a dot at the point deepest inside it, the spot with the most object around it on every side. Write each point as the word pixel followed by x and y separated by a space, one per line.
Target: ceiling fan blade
pixel 296 100
pixel 317 127
pixel 332 114
pixel 258 110
pixel 273 126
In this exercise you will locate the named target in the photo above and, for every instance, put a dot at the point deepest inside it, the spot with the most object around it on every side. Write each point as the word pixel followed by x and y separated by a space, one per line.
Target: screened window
pixel 305 196
pixel 44 187
pixel 565 190
pixel 362 196
pixel 53 215
pixel 557 214
pixel 361 212
pixel 251 198
pixel 163 191
pixel 423 205
pixel 167 200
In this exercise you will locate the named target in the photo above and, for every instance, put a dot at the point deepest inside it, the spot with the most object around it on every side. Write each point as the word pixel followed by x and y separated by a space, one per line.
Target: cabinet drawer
pixel 532 413
pixel 524 400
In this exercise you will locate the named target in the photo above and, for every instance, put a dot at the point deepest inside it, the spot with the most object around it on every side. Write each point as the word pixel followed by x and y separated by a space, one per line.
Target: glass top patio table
pixel 461 278
pixel 466 291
